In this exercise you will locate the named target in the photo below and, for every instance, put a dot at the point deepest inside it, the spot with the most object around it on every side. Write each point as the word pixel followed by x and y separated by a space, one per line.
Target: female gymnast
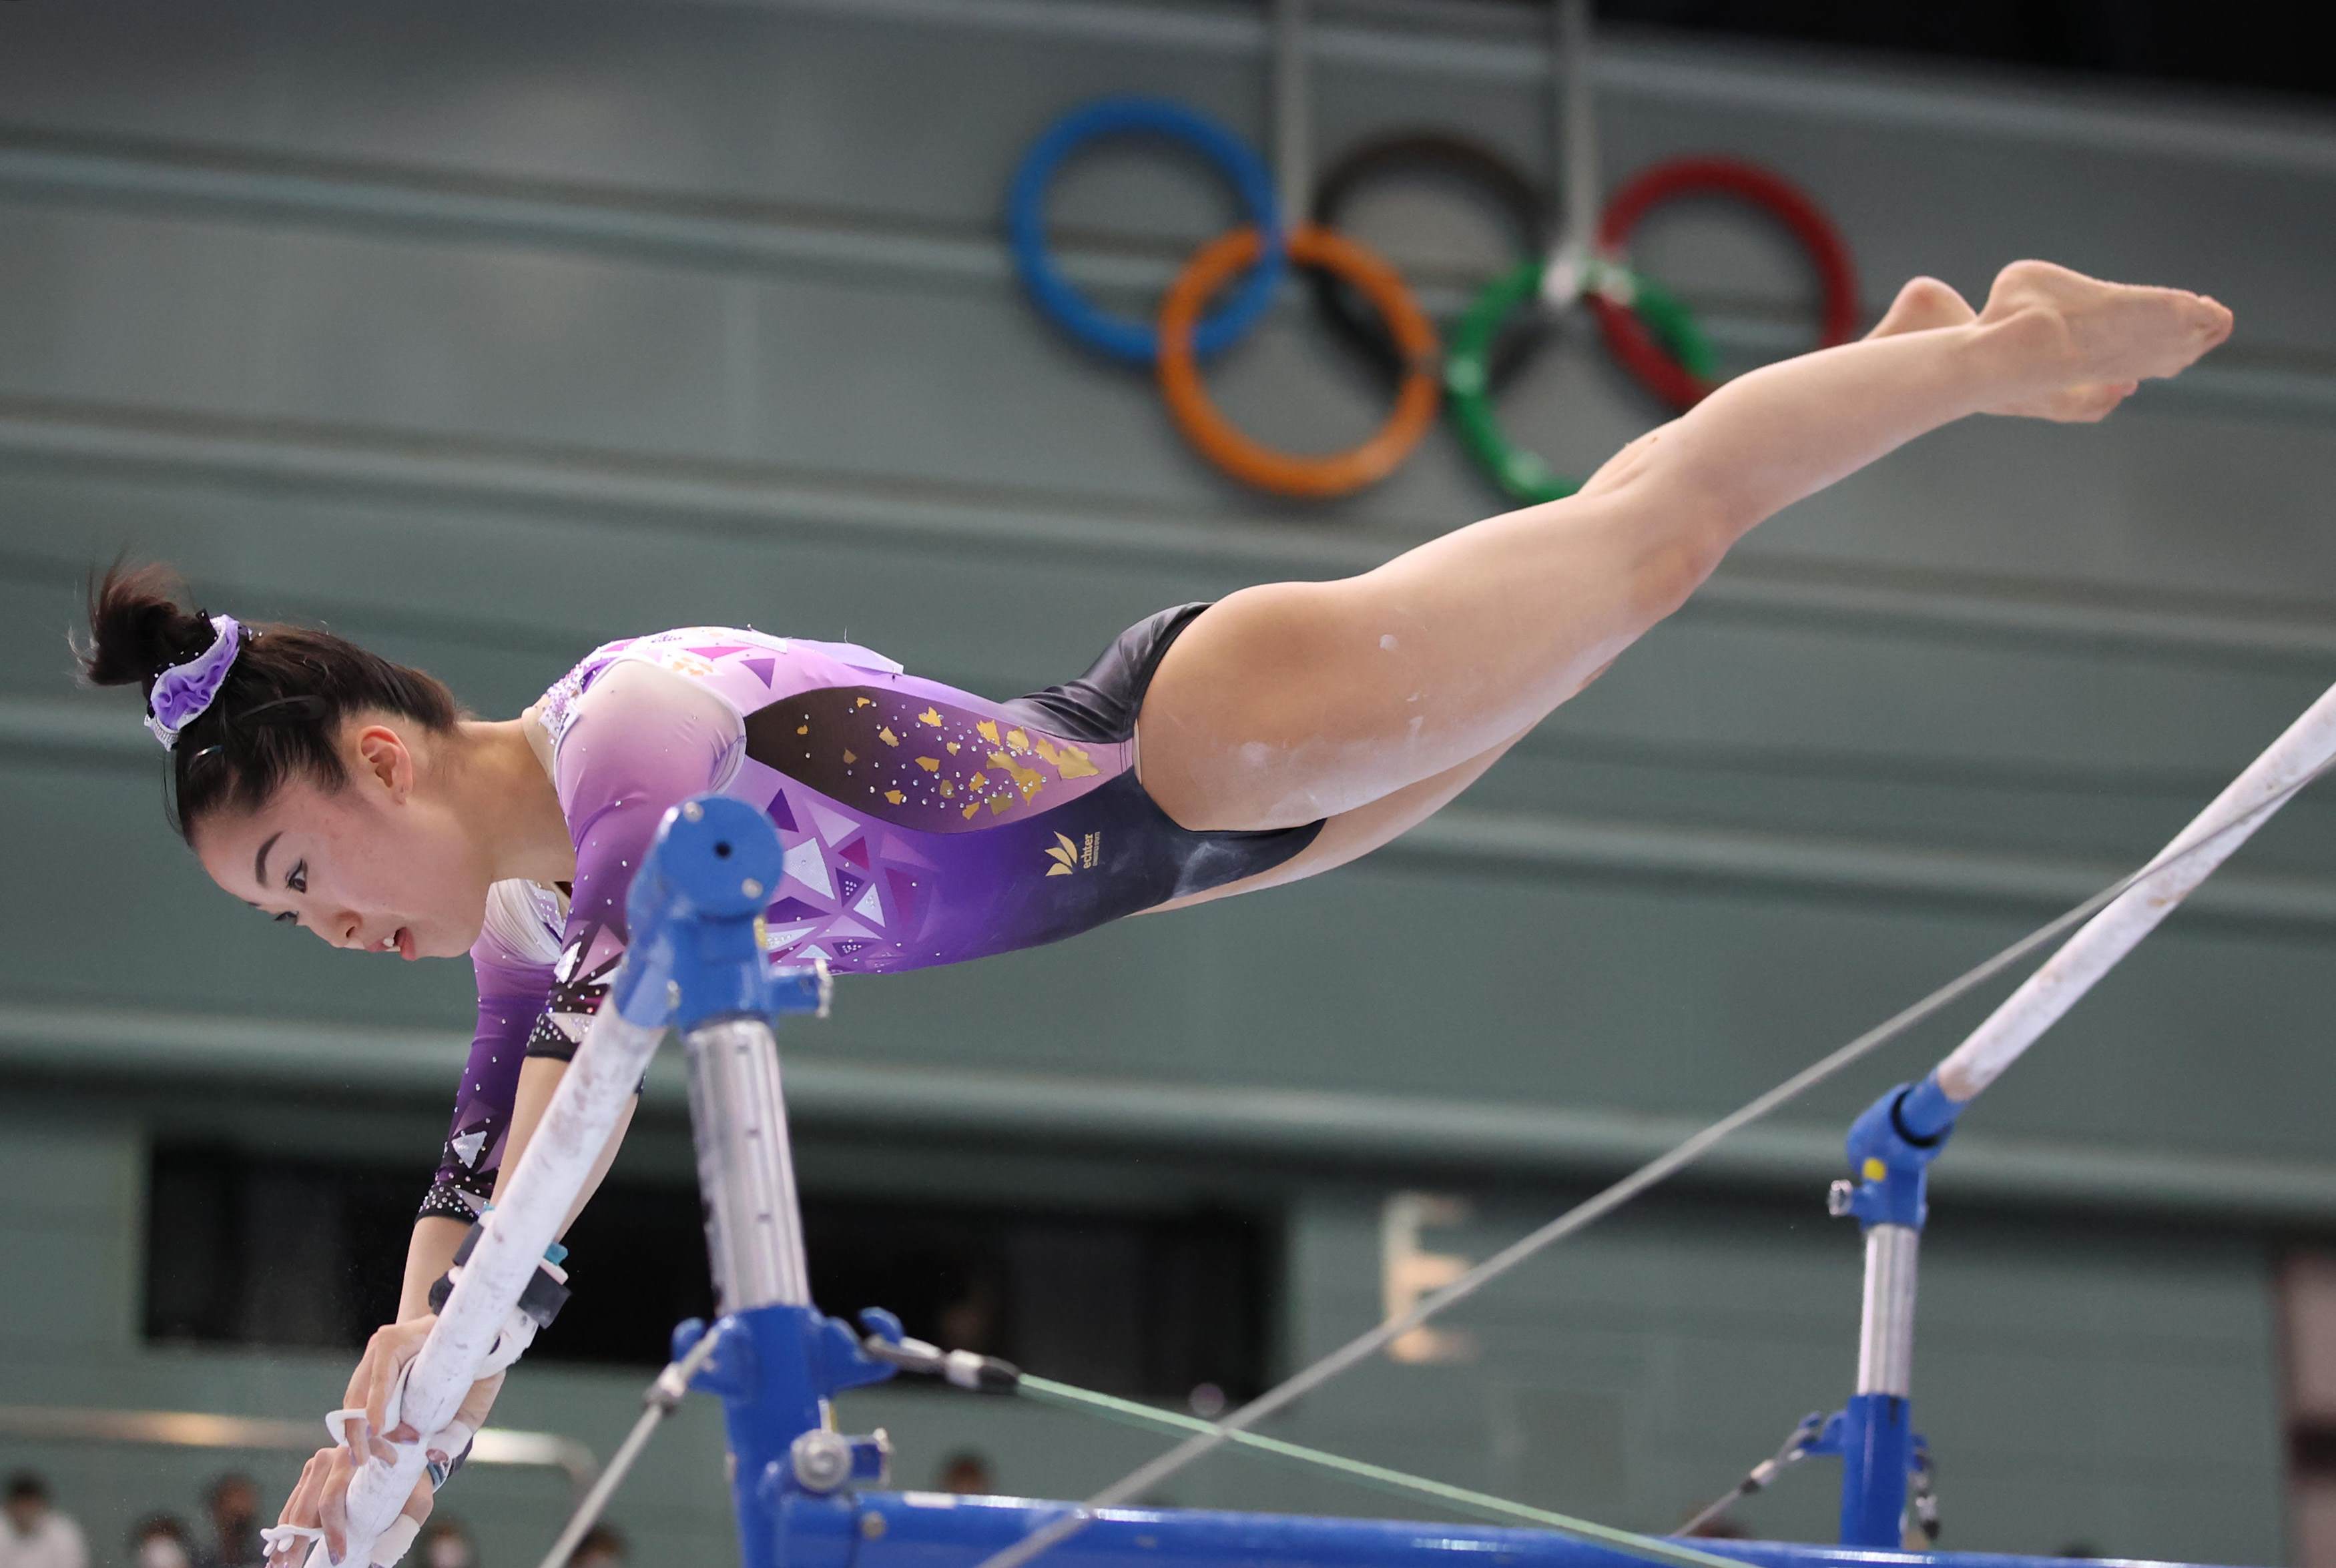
pixel 1214 750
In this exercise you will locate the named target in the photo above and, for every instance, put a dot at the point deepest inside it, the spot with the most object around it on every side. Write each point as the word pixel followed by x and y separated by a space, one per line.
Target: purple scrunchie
pixel 182 692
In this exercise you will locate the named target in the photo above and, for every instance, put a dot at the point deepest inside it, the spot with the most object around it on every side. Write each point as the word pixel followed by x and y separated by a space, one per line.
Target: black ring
pixel 1529 212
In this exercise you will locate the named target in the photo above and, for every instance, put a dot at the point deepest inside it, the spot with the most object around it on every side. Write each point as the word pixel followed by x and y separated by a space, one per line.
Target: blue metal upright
pixel 1891 1147
pixel 694 909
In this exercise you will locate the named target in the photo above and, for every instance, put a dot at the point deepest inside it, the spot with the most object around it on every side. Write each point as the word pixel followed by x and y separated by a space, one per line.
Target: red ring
pixel 1627 338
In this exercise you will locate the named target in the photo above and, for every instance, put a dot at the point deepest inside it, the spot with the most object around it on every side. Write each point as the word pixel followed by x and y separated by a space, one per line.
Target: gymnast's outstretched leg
pixel 1293 702
pixel 1924 304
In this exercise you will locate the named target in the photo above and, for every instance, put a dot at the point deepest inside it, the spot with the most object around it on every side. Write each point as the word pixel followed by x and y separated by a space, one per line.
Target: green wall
pixel 485 334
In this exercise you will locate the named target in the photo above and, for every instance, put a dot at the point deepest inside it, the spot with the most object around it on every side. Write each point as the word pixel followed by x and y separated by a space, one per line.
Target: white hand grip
pixel 575 1130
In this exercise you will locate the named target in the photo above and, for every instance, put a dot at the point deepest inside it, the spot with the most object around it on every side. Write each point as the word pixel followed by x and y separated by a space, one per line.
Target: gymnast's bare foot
pixel 2082 345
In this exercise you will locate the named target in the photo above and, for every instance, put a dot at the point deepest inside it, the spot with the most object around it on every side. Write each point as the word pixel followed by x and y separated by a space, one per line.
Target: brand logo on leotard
pixel 1070 857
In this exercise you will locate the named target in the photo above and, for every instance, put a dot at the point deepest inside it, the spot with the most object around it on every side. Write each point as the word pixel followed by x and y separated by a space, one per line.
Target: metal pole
pixel 1573 124
pixel 745 1168
pixel 1885 1335
pixel 1293 153
pixel 1877 1440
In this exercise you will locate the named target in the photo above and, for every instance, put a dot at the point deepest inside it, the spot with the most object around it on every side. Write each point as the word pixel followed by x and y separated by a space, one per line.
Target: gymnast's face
pixel 381 865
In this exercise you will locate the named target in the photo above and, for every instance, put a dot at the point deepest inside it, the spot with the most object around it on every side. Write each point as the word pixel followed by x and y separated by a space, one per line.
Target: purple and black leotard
pixel 921 826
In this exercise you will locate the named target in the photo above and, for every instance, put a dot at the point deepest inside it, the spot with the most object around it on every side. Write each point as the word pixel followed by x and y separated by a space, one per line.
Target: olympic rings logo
pixel 1367 301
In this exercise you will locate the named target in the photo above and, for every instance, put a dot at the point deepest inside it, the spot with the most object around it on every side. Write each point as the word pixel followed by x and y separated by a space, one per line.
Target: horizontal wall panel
pixel 540 588
pixel 126 911
pixel 65 1291
pixel 876 382
pixel 1713 1331
pixel 1634 992
pixel 485 334
pixel 68 1170
pixel 813 106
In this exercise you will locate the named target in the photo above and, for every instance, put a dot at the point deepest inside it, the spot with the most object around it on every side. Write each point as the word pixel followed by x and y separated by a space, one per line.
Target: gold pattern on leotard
pixel 1028 780
pixel 1016 763
pixel 1070 762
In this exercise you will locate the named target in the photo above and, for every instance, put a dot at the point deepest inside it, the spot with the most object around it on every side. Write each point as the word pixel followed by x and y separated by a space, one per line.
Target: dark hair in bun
pixel 278 713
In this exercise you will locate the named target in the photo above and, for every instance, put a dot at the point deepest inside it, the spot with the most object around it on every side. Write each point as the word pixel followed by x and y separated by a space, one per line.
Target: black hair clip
pixel 286 710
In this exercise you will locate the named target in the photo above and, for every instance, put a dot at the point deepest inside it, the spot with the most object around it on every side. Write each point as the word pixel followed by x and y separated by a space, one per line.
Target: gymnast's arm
pixel 436 1237
pixel 321 1498
pixel 651 740
pixel 509 994
pixel 645 739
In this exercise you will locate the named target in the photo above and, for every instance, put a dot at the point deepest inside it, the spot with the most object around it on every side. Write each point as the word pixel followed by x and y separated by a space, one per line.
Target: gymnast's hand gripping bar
pixel 700 874
pixel 576 1128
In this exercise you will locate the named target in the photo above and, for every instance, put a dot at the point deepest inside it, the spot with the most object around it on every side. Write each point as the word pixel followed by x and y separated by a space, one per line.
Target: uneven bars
pixel 2305 749
pixel 558 1161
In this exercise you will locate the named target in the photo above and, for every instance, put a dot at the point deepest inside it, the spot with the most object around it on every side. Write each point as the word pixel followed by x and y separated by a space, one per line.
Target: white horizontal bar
pixel 528 1219
pixel 2213 834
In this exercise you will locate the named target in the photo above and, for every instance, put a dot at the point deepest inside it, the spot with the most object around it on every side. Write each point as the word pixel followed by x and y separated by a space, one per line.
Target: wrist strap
pixel 547 1288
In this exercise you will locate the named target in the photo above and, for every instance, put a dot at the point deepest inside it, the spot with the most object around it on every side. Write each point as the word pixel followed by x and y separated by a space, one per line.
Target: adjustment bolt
pixel 871 1527
pixel 823 1460
pixel 691 811
pixel 1839 1197
pixel 751 887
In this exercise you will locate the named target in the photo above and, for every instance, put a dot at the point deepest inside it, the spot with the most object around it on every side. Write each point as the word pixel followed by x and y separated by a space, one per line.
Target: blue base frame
pixel 932 1530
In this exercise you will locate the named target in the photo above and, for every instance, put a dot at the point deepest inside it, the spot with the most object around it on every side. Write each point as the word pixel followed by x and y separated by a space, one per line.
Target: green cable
pixel 1522 474
pixel 1481 1503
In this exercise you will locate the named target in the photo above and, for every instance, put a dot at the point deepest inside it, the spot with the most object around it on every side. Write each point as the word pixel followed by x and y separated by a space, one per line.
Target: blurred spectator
pixel 161 1541
pixel 32 1533
pixel 967 1472
pixel 971 1321
pixel 447 1543
pixel 232 1501
pixel 603 1546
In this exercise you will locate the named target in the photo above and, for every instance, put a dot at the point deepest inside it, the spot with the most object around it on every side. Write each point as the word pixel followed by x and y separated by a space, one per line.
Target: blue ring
pixel 1138 342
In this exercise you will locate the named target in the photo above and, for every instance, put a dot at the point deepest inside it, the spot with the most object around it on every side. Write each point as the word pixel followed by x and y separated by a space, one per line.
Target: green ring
pixel 1521 474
